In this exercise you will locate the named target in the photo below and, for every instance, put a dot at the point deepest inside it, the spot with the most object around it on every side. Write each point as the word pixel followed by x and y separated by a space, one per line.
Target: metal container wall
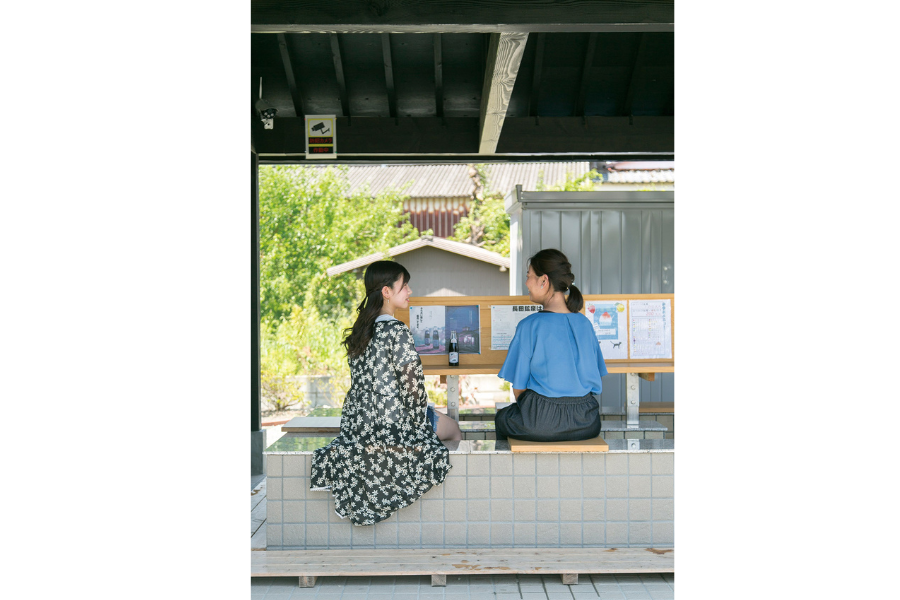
pixel 617 242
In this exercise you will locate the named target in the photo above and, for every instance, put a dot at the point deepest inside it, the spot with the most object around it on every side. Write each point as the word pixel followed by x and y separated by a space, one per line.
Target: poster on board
pixel 431 327
pixel 427 326
pixel 610 321
pixel 650 329
pixel 505 319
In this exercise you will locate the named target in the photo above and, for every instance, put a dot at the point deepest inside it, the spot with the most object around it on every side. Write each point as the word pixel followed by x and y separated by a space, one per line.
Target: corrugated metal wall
pixel 617 242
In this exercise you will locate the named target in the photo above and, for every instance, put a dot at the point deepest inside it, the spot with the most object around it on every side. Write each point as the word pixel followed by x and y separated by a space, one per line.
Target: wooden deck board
pixel 361 562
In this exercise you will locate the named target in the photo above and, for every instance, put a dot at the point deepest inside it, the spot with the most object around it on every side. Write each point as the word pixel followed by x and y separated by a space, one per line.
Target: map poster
pixel 505 319
pixel 427 326
pixel 431 327
pixel 651 333
pixel 610 321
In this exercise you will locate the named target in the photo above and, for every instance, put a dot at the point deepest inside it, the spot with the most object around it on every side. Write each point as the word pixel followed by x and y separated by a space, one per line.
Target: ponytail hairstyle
pixel 558 269
pixel 379 274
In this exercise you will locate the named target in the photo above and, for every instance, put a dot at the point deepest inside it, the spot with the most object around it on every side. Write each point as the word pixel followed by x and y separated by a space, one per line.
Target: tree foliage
pixel 309 221
pixel 487 224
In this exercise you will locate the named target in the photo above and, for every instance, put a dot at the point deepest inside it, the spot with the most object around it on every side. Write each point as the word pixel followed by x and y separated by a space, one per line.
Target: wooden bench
pixel 438 563
pixel 656 408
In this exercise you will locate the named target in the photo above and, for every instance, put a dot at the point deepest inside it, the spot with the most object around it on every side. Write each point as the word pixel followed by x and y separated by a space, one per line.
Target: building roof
pixel 434 182
pixel 466 250
pixel 453 181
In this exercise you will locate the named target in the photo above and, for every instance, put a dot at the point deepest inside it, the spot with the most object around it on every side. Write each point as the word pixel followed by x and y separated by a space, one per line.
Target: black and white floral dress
pixel 387 455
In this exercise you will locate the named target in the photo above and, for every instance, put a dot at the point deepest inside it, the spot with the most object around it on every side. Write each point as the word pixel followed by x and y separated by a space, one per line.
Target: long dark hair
pixel 379 274
pixel 558 269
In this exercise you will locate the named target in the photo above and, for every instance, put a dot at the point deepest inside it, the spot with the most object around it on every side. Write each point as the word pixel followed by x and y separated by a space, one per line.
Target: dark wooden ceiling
pixel 408 89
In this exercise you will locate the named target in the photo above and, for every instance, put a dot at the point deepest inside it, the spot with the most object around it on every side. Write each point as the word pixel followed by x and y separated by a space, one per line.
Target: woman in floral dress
pixel 388 453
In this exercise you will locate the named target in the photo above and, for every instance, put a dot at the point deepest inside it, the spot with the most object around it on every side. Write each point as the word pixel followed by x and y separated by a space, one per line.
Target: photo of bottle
pixel 428 343
pixel 454 350
pixel 435 340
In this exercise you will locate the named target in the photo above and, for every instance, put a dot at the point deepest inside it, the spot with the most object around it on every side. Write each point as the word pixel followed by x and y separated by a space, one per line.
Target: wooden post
pixel 570 578
pixel 438 581
pixel 307 581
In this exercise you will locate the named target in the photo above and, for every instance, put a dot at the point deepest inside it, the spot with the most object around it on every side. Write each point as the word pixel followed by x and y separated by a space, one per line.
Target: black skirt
pixel 537 418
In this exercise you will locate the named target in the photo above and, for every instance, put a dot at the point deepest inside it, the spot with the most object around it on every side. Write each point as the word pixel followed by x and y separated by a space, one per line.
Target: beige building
pixel 440 267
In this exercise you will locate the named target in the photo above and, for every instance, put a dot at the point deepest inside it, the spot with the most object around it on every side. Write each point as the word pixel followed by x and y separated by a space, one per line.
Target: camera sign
pixel 320 136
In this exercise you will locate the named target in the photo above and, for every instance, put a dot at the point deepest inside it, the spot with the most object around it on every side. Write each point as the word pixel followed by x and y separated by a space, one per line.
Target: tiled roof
pixel 453 181
pixel 439 243
pixel 432 183
pixel 504 178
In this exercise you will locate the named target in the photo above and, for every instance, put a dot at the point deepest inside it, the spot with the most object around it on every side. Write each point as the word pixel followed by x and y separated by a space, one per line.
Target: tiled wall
pixel 667 420
pixel 492 500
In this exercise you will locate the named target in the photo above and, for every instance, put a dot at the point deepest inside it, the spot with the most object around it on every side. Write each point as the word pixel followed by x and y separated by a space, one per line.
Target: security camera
pixel 266 113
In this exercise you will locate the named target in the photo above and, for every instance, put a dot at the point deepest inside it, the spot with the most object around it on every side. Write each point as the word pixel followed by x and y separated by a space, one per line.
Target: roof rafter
pixel 339 73
pixel 629 97
pixel 389 73
pixel 438 76
pixel 296 96
pixel 503 60
pixel 536 75
pixel 585 72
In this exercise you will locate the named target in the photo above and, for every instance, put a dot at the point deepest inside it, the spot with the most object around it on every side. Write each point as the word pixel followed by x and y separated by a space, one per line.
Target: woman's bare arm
pixel 516 393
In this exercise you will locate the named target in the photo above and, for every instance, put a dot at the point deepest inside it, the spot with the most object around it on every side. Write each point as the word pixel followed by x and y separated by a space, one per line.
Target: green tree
pixel 487 224
pixel 309 221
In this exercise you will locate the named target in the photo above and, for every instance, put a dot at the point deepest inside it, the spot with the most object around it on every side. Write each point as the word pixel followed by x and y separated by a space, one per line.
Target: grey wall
pixel 440 273
pixel 617 242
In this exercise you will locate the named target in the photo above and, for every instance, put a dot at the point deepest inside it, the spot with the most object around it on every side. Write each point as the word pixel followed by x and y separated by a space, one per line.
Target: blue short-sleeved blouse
pixel 555 355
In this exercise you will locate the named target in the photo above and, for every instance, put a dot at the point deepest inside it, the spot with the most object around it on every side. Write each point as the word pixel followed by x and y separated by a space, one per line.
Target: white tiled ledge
pixel 300 444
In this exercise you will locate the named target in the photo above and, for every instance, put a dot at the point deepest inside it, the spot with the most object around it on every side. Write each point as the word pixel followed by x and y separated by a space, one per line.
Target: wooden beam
pixel 339 73
pixel 536 74
pixel 447 159
pixel 603 138
pixel 460 16
pixel 585 74
pixel 635 67
pixel 389 73
pixel 503 60
pixel 296 97
pixel 438 76
pixel 595 135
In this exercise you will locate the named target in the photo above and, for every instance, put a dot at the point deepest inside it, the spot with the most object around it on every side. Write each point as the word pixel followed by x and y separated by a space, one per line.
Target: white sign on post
pixel 321 137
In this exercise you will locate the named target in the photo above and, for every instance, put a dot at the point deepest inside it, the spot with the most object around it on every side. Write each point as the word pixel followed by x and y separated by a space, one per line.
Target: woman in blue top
pixel 554 361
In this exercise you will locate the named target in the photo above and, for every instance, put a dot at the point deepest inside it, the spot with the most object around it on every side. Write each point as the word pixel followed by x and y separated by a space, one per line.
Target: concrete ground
pixel 474 587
